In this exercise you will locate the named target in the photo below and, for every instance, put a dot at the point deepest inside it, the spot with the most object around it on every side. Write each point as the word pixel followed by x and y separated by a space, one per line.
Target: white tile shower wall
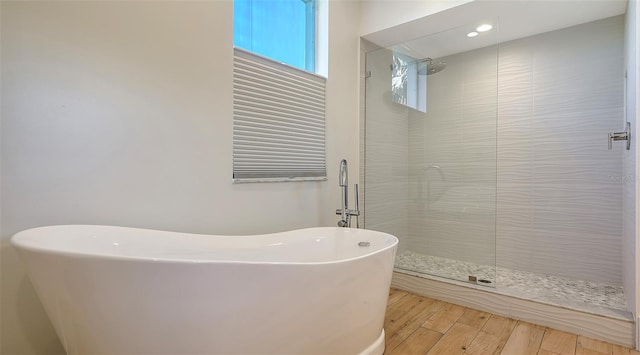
pixel 559 203
pixel 387 151
pixel 559 208
pixel 453 183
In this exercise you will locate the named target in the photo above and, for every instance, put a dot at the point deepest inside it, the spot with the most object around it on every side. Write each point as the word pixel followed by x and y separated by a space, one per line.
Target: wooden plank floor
pixel 421 325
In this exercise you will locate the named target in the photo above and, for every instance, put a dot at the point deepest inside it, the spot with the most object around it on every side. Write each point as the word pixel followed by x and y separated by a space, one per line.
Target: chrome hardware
pixel 345 212
pixel 343 182
pixel 364 244
pixel 621 136
pixel 343 178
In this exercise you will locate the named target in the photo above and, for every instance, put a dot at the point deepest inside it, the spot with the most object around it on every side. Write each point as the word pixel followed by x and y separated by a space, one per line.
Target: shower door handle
pixel 621 136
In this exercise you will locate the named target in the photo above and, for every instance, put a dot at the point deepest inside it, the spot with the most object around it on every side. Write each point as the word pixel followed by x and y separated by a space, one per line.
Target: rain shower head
pixel 431 67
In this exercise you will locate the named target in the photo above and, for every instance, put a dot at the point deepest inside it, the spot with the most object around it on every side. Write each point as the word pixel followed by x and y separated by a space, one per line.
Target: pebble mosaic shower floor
pixel 581 295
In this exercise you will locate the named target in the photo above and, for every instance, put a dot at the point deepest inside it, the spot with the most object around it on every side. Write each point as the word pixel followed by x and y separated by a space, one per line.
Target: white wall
pixel 380 15
pixel 119 113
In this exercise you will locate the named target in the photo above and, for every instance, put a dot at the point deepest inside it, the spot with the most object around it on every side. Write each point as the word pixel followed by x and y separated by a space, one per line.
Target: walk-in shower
pixel 496 171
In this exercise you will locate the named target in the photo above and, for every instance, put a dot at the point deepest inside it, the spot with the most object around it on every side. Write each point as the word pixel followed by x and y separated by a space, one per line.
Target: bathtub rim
pixel 90 255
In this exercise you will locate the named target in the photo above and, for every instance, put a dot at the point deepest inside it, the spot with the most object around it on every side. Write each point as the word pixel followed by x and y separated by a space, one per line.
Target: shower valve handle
pixel 621 136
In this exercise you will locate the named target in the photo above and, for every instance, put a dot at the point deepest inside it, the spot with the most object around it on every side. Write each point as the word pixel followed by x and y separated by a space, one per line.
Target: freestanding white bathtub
pixel 117 290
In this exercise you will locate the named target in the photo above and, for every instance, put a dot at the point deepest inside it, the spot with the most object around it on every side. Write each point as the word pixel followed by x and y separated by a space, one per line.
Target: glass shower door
pixel 430 153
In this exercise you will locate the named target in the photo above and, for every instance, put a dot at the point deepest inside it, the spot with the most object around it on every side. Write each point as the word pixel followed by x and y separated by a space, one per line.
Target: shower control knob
pixel 621 136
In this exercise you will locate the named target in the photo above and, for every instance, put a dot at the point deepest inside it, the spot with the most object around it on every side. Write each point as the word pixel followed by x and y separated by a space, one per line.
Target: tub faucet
pixel 344 212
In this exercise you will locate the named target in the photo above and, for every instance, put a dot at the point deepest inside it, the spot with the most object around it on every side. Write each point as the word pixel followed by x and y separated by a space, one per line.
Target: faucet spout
pixel 343 178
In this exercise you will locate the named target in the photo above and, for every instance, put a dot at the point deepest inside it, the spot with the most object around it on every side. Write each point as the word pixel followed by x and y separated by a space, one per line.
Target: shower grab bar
pixel 621 136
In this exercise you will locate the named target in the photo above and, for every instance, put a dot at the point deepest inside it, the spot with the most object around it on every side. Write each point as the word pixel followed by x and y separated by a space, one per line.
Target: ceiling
pixel 444 33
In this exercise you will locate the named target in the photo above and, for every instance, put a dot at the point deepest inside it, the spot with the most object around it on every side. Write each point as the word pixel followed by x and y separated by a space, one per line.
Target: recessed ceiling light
pixel 484 28
pixel 472 34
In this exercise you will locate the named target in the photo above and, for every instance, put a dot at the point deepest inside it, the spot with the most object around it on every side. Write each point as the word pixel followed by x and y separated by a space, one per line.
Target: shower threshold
pixel 579 295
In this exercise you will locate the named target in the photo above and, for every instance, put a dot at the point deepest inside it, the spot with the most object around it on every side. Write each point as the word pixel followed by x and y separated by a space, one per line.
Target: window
pixel 409 81
pixel 284 30
pixel 278 100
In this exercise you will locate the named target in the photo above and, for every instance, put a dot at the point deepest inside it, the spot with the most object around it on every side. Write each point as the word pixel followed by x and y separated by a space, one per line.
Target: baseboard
pixel 595 326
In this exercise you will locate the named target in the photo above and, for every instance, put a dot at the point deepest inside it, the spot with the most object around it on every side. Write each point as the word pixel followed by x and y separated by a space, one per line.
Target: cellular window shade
pixel 278 121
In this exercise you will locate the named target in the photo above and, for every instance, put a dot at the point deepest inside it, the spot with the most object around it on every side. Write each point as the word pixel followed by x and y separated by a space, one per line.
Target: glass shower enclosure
pixel 430 152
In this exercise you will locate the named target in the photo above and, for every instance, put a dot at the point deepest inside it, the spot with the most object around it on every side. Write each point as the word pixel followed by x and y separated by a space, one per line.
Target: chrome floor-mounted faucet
pixel 345 212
